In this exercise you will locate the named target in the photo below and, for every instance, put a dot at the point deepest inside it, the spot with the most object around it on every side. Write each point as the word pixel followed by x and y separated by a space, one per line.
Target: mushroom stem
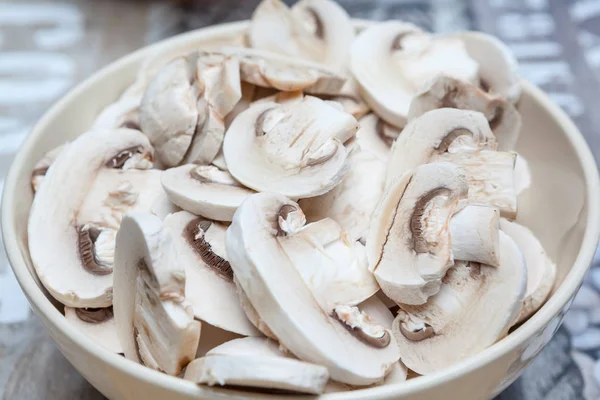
pixel 474 235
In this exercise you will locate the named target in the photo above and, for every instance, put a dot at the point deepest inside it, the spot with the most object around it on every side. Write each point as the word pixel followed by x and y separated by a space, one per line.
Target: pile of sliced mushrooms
pixel 308 210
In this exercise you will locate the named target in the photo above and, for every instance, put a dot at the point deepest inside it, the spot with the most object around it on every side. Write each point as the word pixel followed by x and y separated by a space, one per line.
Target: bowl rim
pixel 44 307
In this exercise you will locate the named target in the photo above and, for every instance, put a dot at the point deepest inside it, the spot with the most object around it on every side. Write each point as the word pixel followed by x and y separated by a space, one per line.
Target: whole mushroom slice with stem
pixel 445 91
pixel 376 136
pixel 541 271
pixel 409 245
pixel 352 202
pixel 491 178
pixel 97 323
pixel 155 323
pixel 41 167
pixel 185 103
pixel 257 363
pixel 392 60
pixel 475 307
pixel 204 190
pixel 71 238
pixel 200 245
pixel 296 149
pixel 285 73
pixel 440 131
pixel 498 68
pixel 333 338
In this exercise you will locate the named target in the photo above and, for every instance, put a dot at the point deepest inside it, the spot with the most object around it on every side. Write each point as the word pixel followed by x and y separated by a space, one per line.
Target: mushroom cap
pixel 352 202
pixel 296 149
pixel 409 244
pixel 393 59
pixel 376 136
pixel 541 271
pixel 498 67
pixel 475 307
pixel 251 313
pixel 97 323
pixel 256 362
pixel 288 74
pixel 155 324
pixel 445 91
pixel 266 275
pixel 204 190
pixel 315 30
pixel 168 111
pixel 444 130
pixel 209 286
pixel 41 167
pixel 52 230
pixel 491 178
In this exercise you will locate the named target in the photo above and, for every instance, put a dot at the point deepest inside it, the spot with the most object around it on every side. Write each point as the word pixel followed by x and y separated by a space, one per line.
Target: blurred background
pixel 46 47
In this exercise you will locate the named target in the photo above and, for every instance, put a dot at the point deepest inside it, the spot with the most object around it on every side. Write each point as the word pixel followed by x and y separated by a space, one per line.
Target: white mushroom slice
pixel 72 258
pixel 267 277
pixel 498 67
pixel 351 99
pixel 392 61
pixel 41 167
pixel 155 323
pixel 491 178
pixel 251 313
pixel 445 130
pixel 522 174
pixel 445 91
pixel 200 245
pixel 218 76
pixel 474 232
pixel 315 30
pixel 204 190
pixel 296 149
pixel 281 98
pixel 267 69
pixel 376 136
pixel 352 202
pixel 98 324
pixel 541 271
pixel 219 161
pixel 256 362
pixel 474 308
pixel 183 108
pixel 124 113
pixel 409 245
pixel 333 266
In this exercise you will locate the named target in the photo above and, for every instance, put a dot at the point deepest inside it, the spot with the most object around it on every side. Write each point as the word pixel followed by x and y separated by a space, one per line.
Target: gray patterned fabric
pixel 48 46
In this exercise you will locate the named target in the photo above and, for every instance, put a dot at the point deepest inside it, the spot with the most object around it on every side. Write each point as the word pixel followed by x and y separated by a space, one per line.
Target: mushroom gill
pixel 194 233
pixel 94 315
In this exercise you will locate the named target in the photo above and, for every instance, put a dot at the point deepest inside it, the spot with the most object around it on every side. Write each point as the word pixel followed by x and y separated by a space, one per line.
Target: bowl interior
pixel 555 207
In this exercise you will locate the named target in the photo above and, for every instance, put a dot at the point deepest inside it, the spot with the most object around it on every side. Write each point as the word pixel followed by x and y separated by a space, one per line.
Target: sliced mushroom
pixel 256 362
pixel 98 324
pixel 409 245
pixel 474 232
pixel 445 91
pixel 352 202
pixel 541 271
pixel 445 130
pixel 491 178
pixel 271 70
pixel 251 313
pixel 392 60
pixel 124 113
pixel 183 108
pixel 267 277
pixel 376 136
pixel 204 190
pixel 498 68
pixel 281 98
pixel 71 237
pixel 475 307
pixel 200 245
pixel 155 323
pixel 294 149
pixel 522 174
pixel 41 167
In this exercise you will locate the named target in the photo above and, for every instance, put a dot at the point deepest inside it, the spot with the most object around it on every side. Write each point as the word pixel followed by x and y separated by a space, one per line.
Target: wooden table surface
pixel 48 46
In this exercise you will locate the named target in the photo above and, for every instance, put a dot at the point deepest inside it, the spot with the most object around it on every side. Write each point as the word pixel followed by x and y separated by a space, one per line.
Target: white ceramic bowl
pixel 561 207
